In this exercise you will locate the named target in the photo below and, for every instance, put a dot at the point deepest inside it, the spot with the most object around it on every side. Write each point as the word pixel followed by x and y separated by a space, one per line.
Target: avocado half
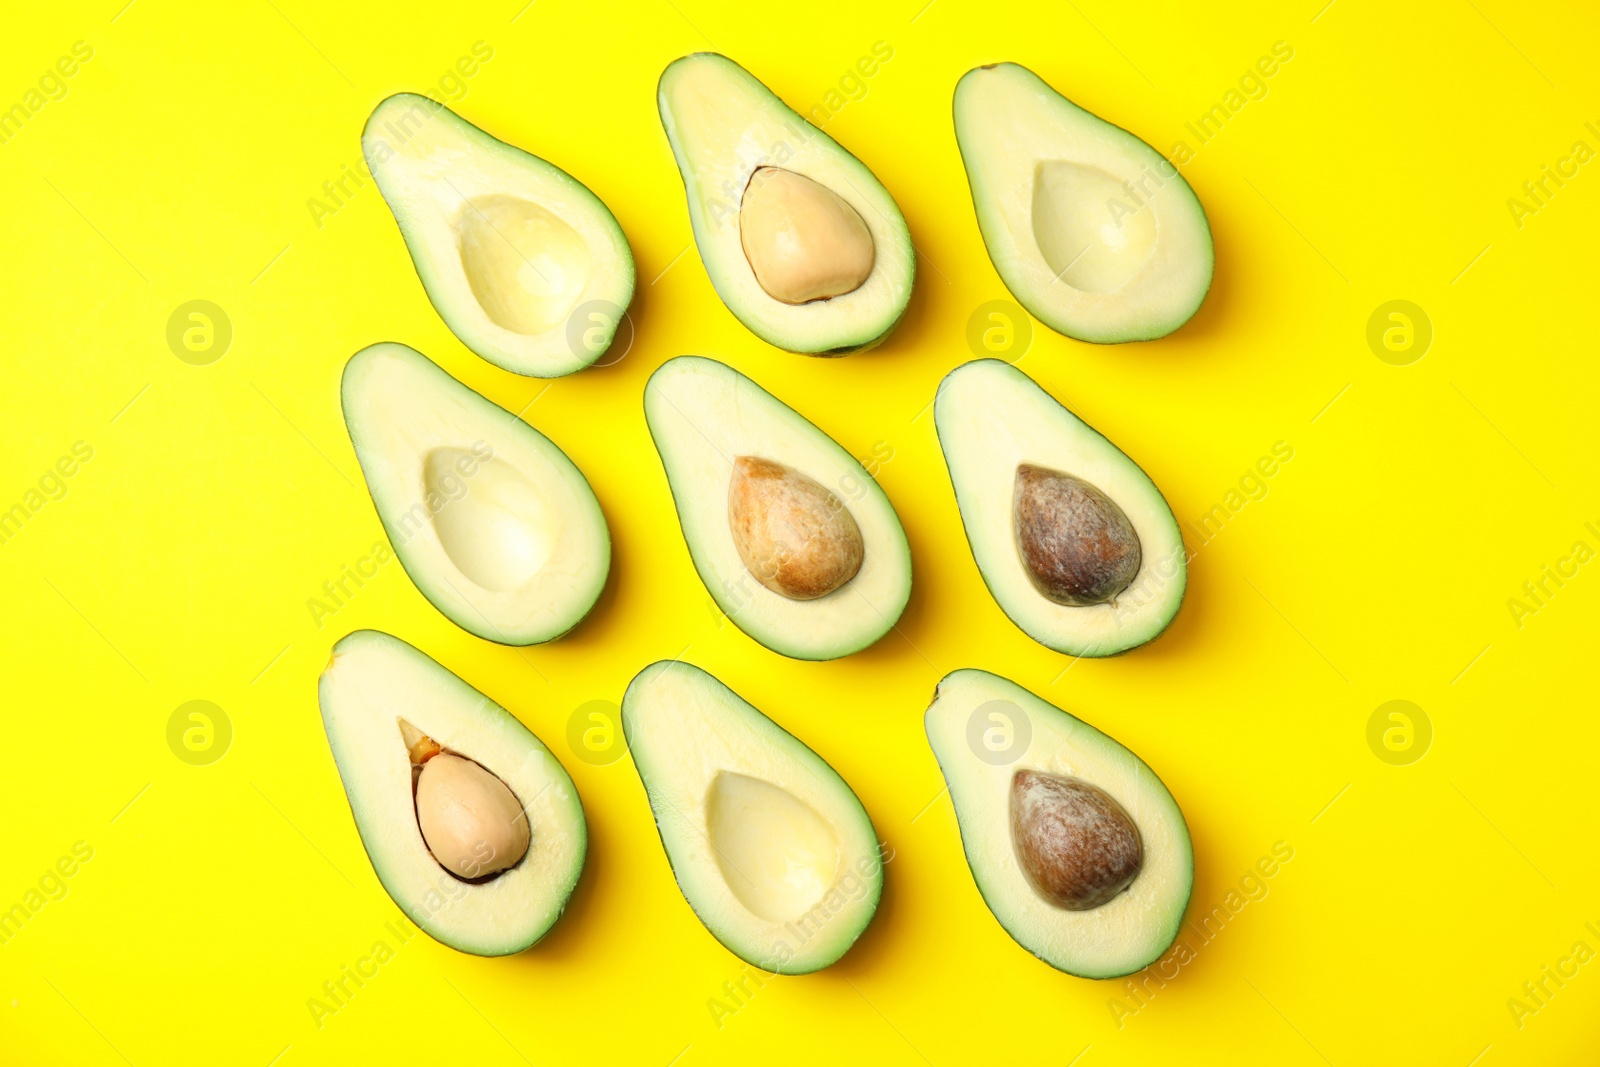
pixel 724 126
pixel 524 264
pixel 1092 230
pixel 771 848
pixel 1129 923
pixel 999 430
pixel 377 695
pixel 492 521
pixel 710 424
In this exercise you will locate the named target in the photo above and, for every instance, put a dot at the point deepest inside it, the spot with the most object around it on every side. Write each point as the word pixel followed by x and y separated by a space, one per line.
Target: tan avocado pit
pixel 1078 547
pixel 1077 847
pixel 803 241
pixel 471 821
pixel 793 535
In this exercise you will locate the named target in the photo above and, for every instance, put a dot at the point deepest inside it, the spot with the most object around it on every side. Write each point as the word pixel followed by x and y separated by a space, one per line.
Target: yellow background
pixel 1377 567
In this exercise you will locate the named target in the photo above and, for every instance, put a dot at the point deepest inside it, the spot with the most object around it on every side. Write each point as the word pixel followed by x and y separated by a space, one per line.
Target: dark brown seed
pixel 1076 845
pixel 1077 545
pixel 795 537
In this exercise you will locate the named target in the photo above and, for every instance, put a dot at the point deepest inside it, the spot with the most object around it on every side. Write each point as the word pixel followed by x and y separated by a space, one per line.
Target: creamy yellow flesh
pixel 1085 243
pixel 776 853
pixel 526 267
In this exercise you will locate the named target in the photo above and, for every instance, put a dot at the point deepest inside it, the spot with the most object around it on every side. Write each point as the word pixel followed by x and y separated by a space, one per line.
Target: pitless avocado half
pixel 1092 230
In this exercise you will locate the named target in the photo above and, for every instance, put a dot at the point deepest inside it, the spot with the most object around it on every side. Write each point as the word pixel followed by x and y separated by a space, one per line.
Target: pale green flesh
pixel 991 417
pixel 372 682
pixel 703 415
pixel 723 124
pixel 771 848
pixel 492 521
pixel 1091 229
pixel 511 249
pixel 1133 929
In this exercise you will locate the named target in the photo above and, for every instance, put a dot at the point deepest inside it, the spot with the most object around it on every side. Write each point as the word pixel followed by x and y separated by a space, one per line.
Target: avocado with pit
pixel 800 239
pixel 771 848
pixel 793 539
pixel 524 264
pixel 1091 229
pixel 471 824
pixel 1076 846
pixel 492 521
pixel 1073 539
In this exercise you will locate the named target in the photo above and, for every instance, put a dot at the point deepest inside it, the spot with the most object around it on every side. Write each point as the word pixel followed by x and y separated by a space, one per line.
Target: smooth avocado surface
pixel 802 242
pixel 492 521
pixel 471 824
pixel 771 848
pixel 1073 539
pixel 1092 230
pixel 1076 846
pixel 792 537
pixel 524 264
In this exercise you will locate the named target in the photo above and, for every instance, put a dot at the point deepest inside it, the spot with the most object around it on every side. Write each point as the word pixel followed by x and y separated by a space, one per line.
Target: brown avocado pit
pixel 1077 847
pixel 1078 547
pixel 794 536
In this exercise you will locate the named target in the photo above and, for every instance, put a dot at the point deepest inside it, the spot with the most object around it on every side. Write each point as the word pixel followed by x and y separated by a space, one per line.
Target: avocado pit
pixel 471 821
pixel 803 241
pixel 1077 847
pixel 1078 547
pixel 794 536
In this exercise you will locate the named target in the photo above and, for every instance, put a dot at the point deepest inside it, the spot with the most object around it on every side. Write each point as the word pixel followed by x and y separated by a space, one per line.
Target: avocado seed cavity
pixel 470 820
pixel 1077 847
pixel 1078 547
pixel 794 536
pixel 803 241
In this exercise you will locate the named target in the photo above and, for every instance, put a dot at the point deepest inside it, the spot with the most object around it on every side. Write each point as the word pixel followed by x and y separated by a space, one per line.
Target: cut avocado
pixel 471 824
pixel 1091 229
pixel 494 524
pixel 1075 542
pixel 792 537
pixel 802 242
pixel 1075 844
pixel 771 848
pixel 524 264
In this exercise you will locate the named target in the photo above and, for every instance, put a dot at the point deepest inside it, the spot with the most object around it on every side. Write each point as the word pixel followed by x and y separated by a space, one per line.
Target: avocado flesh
pixel 1091 229
pixel 507 245
pixel 992 420
pixel 723 126
pixel 704 416
pixel 1139 921
pixel 492 521
pixel 771 848
pixel 375 682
